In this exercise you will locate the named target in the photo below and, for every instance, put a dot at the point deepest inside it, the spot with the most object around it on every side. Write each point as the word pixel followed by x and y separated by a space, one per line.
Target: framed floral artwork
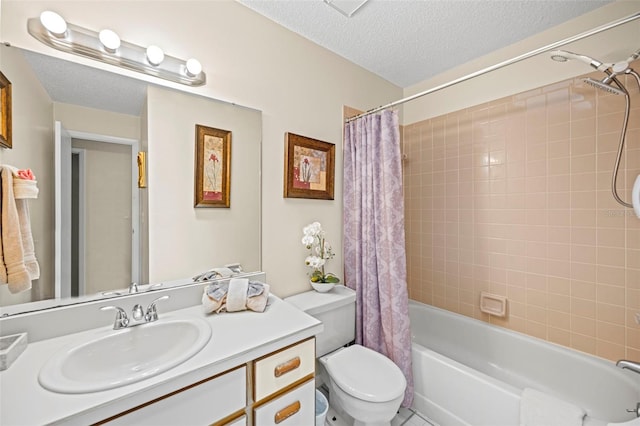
pixel 309 166
pixel 213 167
pixel 5 112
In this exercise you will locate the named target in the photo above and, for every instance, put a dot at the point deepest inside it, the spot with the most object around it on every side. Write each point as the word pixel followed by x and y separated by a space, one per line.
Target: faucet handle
pixel 152 313
pixel 122 321
pixel 133 288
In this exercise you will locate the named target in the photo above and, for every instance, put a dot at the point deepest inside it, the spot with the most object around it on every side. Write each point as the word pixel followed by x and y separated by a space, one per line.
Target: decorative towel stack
pixel 541 409
pixel 18 263
pixel 237 294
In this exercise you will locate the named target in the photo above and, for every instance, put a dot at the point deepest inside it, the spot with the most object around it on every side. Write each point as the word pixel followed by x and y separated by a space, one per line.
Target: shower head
pixel 564 56
pixel 603 86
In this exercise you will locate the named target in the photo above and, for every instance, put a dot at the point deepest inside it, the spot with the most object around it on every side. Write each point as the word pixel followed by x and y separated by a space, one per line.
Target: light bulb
pixel 155 55
pixel 109 40
pixel 193 67
pixel 53 22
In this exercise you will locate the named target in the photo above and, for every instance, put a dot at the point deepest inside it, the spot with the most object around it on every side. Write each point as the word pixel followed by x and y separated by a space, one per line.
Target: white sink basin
pixel 121 357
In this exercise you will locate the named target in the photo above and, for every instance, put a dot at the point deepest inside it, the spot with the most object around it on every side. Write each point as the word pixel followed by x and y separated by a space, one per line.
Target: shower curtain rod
pixel 503 64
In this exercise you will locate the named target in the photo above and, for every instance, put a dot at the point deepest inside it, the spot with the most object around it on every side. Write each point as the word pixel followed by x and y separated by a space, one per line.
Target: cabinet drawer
pixel 294 408
pixel 242 421
pixel 283 368
pixel 201 404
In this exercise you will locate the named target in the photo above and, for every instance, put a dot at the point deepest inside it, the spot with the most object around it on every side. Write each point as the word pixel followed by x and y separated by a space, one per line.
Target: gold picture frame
pixel 309 167
pixel 5 112
pixel 212 167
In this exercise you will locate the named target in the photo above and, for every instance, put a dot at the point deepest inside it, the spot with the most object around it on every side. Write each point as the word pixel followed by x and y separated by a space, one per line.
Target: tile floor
pixel 404 417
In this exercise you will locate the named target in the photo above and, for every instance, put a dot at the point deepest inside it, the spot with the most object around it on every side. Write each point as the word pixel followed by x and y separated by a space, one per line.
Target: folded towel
pixel 28 249
pixel 13 270
pixel 235 295
pixel 24 189
pixel 541 409
pixel 213 274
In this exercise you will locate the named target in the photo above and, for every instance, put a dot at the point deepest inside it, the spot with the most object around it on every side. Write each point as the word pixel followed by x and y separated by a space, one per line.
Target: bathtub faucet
pixel 629 365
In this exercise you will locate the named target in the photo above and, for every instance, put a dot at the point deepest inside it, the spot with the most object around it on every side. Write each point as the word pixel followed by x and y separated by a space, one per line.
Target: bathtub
pixel 468 372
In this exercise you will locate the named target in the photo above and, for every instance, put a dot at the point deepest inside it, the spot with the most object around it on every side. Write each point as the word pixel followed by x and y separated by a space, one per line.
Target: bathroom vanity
pixel 256 369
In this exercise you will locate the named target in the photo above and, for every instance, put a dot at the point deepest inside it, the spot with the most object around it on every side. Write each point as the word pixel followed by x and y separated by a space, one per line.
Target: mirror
pixel 144 235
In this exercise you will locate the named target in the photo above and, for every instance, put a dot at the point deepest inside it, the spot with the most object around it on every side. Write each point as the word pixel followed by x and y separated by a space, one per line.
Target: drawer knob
pixel 286 367
pixel 287 412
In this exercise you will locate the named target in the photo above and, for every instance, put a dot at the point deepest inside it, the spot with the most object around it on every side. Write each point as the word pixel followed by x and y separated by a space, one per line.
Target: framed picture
pixel 5 112
pixel 213 167
pixel 309 166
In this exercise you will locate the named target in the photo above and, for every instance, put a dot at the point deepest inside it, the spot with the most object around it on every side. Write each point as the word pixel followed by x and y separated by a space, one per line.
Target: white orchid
pixel 320 252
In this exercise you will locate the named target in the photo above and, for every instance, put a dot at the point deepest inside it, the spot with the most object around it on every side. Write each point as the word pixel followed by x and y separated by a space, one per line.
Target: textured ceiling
pixel 72 83
pixel 408 41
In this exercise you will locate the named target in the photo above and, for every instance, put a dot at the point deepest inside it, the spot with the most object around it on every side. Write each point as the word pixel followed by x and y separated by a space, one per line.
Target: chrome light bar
pixel 84 42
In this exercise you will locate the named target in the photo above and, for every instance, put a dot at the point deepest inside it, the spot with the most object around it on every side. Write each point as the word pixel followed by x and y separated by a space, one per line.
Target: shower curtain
pixel 374 242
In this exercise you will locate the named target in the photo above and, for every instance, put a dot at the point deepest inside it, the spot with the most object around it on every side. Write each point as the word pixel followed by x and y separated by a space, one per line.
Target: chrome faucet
pixel 138 315
pixel 629 365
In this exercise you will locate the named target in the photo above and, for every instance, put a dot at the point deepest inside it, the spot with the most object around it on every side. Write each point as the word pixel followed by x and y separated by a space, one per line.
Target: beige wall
pixel 99 122
pixel 512 197
pixel 249 60
pixel 32 149
pixel 183 240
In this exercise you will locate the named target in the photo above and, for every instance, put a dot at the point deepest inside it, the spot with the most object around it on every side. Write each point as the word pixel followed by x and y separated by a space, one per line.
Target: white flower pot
pixel 322 287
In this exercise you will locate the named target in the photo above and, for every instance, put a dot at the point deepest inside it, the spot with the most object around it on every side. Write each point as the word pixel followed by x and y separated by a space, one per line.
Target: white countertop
pixel 236 338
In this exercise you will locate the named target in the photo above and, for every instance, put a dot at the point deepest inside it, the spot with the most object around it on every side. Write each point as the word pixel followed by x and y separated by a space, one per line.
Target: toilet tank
pixel 337 311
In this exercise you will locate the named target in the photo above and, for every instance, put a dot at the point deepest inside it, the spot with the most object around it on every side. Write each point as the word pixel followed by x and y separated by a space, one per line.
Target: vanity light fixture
pixel 106 46
pixel 110 40
pixel 193 67
pixel 155 55
pixel 54 23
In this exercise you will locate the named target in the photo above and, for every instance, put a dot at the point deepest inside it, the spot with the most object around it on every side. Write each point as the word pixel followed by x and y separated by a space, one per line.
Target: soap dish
pixel 10 348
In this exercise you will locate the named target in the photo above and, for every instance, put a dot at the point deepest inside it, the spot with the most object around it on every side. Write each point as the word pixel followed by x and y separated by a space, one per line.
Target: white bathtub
pixel 468 372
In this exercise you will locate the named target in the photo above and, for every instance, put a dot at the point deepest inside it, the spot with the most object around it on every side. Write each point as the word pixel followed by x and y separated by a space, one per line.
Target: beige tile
pixel 583 272
pixel 610 313
pixel 583 343
pixel 583 290
pixel 584 253
pixel 559 320
pixel 559 336
pixel 613 333
pixel 610 351
pixel 513 197
pixel 536 329
pixel 612 256
pixel 583 325
pixel 613 295
pixel 611 275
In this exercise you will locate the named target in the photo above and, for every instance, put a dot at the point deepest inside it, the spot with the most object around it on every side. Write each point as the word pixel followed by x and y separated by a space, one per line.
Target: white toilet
pixel 363 384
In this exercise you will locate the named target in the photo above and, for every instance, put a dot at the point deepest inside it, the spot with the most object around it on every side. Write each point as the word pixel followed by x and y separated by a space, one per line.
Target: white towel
pixel 215 296
pixel 13 270
pixel 541 409
pixel 237 295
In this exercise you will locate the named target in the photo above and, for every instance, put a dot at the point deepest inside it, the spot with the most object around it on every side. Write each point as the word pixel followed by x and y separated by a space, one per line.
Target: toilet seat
pixel 365 374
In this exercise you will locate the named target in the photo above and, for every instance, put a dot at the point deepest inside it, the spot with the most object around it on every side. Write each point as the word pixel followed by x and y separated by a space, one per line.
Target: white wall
pixel 609 46
pixel 249 60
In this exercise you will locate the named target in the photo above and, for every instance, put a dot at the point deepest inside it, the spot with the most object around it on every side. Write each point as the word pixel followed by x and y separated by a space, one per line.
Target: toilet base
pixel 336 404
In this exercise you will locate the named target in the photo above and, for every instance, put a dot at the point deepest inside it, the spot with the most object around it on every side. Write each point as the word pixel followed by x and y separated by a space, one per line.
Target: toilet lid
pixel 366 374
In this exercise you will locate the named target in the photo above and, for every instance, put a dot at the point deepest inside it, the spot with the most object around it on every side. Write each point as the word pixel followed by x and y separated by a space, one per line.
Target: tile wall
pixel 513 197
